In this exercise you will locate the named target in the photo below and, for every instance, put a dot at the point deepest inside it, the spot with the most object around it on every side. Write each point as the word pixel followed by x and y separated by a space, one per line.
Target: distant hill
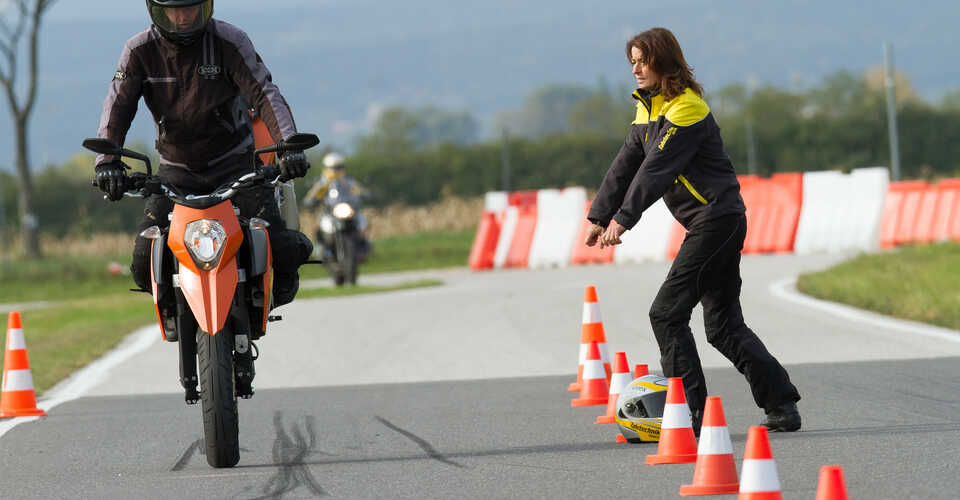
pixel 339 62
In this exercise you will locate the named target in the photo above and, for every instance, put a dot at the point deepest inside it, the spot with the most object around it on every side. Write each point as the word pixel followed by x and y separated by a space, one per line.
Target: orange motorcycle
pixel 217 264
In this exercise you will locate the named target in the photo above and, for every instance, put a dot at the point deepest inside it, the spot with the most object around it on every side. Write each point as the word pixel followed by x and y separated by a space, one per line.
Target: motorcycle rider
pixel 334 169
pixel 198 76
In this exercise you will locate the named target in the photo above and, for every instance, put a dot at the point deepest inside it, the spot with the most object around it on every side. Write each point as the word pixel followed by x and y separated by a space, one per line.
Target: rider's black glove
pixel 293 164
pixel 112 179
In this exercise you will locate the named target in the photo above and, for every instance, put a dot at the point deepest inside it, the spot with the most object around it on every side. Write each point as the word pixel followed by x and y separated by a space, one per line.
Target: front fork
pixel 187 326
pixel 243 347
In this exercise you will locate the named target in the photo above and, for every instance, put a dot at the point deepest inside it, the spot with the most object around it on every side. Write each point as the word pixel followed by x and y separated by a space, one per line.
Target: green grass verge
pixel 84 277
pixel 920 283
pixel 91 310
pixel 59 278
pixel 70 334
pixel 430 250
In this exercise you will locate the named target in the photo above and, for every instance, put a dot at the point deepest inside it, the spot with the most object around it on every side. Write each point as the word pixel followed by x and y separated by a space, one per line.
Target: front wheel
pixel 221 429
pixel 347 256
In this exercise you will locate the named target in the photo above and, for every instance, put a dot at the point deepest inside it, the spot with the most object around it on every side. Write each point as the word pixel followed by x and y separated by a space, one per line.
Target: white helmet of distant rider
pixel 333 161
pixel 180 21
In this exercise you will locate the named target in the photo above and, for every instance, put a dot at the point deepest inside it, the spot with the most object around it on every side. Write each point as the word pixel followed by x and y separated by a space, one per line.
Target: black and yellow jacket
pixel 673 151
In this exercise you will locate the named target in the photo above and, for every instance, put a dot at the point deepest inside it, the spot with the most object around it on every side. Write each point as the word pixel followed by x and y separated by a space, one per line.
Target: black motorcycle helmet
pixel 180 21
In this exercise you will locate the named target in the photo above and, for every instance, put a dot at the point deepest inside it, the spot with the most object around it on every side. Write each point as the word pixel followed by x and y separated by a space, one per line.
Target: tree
pixel 545 111
pixel 399 130
pixel 22 17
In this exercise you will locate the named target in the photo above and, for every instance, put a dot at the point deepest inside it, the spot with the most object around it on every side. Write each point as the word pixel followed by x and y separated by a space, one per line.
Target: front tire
pixel 221 428
pixel 347 250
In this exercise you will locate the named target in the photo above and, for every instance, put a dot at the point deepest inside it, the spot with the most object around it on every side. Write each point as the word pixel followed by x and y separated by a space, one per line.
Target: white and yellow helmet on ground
pixel 640 409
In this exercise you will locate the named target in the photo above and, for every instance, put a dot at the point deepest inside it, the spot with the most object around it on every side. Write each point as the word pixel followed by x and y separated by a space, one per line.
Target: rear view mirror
pixel 101 146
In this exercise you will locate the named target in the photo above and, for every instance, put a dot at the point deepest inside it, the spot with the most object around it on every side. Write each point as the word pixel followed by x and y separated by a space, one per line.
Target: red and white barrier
pixel 559 216
pixel 647 241
pixel 789 212
pixel 841 212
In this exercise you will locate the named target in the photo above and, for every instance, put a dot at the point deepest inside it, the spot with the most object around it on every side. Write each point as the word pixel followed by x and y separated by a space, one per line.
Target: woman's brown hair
pixel 662 54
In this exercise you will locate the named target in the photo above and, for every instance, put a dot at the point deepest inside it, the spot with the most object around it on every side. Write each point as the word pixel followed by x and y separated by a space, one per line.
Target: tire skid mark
pixel 290 453
pixel 423 444
pixel 188 454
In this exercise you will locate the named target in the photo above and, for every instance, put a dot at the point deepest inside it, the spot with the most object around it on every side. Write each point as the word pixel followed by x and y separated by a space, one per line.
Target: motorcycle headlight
pixel 204 239
pixel 326 224
pixel 342 210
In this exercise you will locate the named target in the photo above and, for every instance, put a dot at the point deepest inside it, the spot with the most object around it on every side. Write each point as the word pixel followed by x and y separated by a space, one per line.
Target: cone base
pixel 27 412
pixel 573 387
pixel 670 459
pixel 605 419
pixel 588 402
pixel 761 495
pixel 689 490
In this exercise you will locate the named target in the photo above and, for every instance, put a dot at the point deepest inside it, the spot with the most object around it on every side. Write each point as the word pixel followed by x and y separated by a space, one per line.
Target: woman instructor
pixel 674 151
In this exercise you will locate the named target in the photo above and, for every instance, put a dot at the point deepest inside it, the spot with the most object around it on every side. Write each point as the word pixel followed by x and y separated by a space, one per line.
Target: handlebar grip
pixel 270 171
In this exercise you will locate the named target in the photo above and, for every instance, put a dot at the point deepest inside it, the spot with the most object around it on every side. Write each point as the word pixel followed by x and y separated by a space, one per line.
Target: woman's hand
pixel 592 234
pixel 611 236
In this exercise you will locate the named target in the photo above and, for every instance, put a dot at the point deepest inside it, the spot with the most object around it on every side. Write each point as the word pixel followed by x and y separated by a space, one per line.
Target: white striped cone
pixel 677 441
pixel 716 472
pixel 618 382
pixel 17 397
pixel 595 390
pixel 591 316
pixel 758 477
pixel 591 330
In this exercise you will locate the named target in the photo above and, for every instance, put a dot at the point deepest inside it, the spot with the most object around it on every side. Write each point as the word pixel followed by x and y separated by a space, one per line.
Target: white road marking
pixel 786 290
pixel 91 375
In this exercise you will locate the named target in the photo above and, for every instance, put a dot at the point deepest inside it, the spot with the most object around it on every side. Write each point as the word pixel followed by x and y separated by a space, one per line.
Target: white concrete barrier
pixel 647 241
pixel 870 185
pixel 841 212
pixel 559 215
pixel 495 201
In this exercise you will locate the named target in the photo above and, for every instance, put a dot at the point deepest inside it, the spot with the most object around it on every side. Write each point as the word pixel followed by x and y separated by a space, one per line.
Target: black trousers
pixel 290 248
pixel 707 270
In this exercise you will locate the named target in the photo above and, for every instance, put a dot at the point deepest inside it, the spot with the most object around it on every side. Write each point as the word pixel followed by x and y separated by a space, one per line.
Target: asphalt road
pixel 460 391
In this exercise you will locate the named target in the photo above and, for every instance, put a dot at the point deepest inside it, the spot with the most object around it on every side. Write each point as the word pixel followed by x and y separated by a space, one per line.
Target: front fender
pixel 210 294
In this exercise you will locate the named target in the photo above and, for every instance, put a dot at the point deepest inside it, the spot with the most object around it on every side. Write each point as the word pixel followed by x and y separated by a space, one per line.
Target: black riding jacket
pixel 673 151
pixel 198 94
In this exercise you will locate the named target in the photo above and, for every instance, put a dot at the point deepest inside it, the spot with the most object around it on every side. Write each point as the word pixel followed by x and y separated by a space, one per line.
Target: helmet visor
pixel 182 21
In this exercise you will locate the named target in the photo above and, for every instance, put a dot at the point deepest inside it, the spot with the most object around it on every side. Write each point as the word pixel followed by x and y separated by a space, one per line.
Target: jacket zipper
pixel 693 191
pixel 223 122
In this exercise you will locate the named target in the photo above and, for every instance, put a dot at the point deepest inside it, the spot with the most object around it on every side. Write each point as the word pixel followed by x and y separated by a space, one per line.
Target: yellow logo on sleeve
pixel 663 142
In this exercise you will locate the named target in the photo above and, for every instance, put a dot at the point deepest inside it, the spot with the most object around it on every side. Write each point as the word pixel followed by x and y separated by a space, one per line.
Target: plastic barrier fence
pixel 559 216
pixel 788 212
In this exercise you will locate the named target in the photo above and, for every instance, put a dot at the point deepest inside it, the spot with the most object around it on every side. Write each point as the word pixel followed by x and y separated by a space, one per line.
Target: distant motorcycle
pixel 340 232
pixel 218 265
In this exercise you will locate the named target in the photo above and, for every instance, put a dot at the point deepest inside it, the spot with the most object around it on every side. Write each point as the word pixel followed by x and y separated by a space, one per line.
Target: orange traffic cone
pixel 716 473
pixel 591 330
pixel 758 477
pixel 595 389
pixel 831 486
pixel 677 443
pixel 619 380
pixel 17 398
pixel 640 371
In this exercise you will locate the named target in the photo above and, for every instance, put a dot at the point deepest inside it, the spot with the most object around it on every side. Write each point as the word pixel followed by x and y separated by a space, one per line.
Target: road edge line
pixel 88 377
pixel 786 289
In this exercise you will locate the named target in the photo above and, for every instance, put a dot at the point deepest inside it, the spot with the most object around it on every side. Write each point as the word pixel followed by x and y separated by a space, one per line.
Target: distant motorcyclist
pixel 337 196
pixel 334 169
pixel 198 76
